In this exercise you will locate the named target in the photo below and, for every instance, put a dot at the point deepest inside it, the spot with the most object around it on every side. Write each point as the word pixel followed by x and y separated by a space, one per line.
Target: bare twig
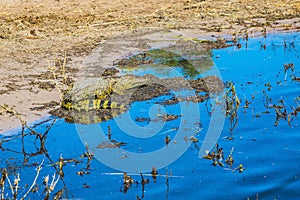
pixel 53 183
pixel 34 181
pixel 16 185
pixel 62 71
pixel 14 192
pixel 17 115
pixel 10 185
pixel 56 81
pixel 2 181
pixel 63 68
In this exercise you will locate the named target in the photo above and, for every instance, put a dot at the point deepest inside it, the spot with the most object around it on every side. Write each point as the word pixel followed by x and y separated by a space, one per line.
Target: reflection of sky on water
pixel 270 154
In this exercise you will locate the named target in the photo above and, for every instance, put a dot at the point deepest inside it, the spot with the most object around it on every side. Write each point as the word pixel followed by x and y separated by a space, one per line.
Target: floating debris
pixel 143 182
pixel 229 160
pixel 247 103
pixel 217 156
pixel 288 66
pixel 167 140
pixel 295 78
pixel 232 105
pixel 154 173
pixel 81 173
pixel 269 86
pixel 194 139
pixel 240 168
pixel 127 182
pixel 169 117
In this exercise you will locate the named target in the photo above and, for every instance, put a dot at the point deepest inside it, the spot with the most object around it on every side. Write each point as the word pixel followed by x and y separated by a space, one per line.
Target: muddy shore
pixel 41 39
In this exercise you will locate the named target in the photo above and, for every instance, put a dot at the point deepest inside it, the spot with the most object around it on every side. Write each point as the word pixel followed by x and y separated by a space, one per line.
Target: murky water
pixel 268 149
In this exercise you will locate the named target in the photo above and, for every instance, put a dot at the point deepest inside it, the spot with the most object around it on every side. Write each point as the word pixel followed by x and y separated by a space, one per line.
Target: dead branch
pixel 34 181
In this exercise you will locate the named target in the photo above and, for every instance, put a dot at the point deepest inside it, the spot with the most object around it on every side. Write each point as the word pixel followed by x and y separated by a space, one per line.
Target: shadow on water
pixel 256 157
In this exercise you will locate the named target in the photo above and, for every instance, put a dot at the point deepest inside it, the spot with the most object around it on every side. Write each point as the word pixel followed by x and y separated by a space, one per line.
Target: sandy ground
pixel 35 34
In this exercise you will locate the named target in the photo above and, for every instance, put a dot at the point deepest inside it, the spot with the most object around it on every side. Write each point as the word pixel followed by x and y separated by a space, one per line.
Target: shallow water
pixel 270 153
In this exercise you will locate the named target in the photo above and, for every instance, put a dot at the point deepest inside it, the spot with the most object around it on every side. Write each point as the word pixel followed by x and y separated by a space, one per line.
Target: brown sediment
pixel 35 33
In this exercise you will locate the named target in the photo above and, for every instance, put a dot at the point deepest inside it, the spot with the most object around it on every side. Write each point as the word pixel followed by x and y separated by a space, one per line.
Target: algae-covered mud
pixel 254 157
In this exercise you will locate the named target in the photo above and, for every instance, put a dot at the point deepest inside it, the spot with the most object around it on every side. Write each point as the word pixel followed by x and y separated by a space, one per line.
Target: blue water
pixel 270 153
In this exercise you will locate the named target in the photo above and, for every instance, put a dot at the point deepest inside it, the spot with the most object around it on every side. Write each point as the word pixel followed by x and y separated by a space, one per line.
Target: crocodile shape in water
pixel 97 100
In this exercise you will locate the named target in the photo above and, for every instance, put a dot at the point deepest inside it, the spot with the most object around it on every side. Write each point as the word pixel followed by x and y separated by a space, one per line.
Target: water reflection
pixel 158 61
pixel 257 154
